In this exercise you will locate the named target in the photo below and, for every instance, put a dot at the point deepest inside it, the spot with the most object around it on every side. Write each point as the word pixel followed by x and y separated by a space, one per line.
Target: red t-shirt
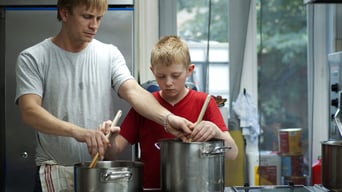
pixel 137 129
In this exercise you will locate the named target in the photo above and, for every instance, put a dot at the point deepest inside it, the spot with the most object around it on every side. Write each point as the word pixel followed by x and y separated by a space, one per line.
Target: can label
pixel 290 141
pixel 292 165
pixel 267 169
pixel 265 175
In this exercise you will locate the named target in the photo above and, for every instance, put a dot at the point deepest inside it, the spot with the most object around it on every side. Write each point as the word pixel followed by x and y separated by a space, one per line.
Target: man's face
pixel 82 24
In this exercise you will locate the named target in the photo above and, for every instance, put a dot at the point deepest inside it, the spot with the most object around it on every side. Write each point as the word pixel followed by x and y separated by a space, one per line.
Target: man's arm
pixel 118 144
pixel 146 105
pixel 34 115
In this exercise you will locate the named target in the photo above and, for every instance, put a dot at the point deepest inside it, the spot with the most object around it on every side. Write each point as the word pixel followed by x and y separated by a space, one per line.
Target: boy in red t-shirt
pixel 171 65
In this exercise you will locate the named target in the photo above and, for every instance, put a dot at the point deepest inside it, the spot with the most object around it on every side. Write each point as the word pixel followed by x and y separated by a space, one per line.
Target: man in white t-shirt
pixel 65 88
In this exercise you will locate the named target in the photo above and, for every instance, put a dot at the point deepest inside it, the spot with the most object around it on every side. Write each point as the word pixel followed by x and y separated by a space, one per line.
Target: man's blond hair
pixel 99 5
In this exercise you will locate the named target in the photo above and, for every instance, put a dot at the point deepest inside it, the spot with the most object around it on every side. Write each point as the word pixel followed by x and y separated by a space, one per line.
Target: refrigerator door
pixel 54 2
pixel 22 28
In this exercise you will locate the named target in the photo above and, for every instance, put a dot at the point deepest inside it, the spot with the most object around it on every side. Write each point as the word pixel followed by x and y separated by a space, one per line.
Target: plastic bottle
pixel 316 171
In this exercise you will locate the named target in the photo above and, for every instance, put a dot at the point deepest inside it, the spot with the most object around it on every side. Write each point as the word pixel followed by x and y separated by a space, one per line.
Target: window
pixel 282 70
pixel 203 25
pixel 282 60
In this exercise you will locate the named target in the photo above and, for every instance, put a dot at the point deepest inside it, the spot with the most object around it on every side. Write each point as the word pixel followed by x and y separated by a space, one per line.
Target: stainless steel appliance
pixel 331 149
pixel 24 23
pixel 335 70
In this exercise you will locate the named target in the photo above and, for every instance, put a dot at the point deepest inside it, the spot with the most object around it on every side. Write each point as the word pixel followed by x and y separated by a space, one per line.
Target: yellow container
pixel 234 169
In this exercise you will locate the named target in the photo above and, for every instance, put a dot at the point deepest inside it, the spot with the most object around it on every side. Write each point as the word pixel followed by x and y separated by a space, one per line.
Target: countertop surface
pixel 277 188
pixel 273 188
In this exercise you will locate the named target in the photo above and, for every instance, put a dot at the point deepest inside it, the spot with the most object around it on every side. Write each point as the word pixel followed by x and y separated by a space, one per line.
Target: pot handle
pixel 109 176
pixel 157 145
pixel 214 151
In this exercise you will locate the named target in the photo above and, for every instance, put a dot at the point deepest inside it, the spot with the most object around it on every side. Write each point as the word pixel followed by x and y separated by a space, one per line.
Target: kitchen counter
pixel 269 188
pixel 277 188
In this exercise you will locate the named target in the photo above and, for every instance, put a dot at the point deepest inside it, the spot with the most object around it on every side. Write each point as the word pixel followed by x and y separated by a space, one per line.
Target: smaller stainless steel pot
pixel 332 165
pixel 109 176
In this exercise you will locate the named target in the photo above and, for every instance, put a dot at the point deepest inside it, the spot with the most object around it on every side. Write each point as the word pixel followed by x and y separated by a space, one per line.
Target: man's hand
pixel 96 141
pixel 204 131
pixel 178 126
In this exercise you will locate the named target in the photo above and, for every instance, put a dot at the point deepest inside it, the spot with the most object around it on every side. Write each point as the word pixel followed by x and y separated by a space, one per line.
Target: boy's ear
pixel 191 68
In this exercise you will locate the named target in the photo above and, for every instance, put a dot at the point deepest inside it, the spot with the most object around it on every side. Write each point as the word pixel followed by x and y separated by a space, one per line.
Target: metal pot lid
pixel 332 142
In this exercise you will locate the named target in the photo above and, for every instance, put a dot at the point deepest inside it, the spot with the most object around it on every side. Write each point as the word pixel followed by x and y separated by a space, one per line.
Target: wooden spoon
pixel 204 108
pixel 114 123
pixel 200 116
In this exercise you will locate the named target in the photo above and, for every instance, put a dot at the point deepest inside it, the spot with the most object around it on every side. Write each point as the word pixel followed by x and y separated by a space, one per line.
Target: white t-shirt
pixel 75 87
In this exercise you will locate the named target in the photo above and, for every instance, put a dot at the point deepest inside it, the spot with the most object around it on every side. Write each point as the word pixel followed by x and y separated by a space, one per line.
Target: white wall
pixel 146 35
pixel 318 81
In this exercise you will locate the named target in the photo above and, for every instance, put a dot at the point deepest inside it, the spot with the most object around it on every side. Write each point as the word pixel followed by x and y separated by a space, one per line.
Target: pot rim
pixel 193 142
pixel 289 129
pixel 332 142
pixel 111 164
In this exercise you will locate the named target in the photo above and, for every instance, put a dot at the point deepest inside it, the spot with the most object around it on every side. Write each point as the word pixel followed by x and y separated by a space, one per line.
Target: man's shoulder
pixel 104 48
pixel 97 43
pixel 39 47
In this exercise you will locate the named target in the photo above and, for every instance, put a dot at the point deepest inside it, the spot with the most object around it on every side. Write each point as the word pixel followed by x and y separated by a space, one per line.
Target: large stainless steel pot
pixel 192 167
pixel 109 176
pixel 332 165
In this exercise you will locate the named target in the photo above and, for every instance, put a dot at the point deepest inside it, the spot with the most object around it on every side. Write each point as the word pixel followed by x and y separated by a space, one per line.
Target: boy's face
pixel 171 79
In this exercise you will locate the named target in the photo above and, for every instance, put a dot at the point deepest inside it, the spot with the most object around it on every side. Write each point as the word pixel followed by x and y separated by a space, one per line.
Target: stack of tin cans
pixel 291 153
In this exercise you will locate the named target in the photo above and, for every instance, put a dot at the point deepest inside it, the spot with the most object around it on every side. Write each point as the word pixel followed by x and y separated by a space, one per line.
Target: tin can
pixel 266 166
pixel 290 141
pixel 292 165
